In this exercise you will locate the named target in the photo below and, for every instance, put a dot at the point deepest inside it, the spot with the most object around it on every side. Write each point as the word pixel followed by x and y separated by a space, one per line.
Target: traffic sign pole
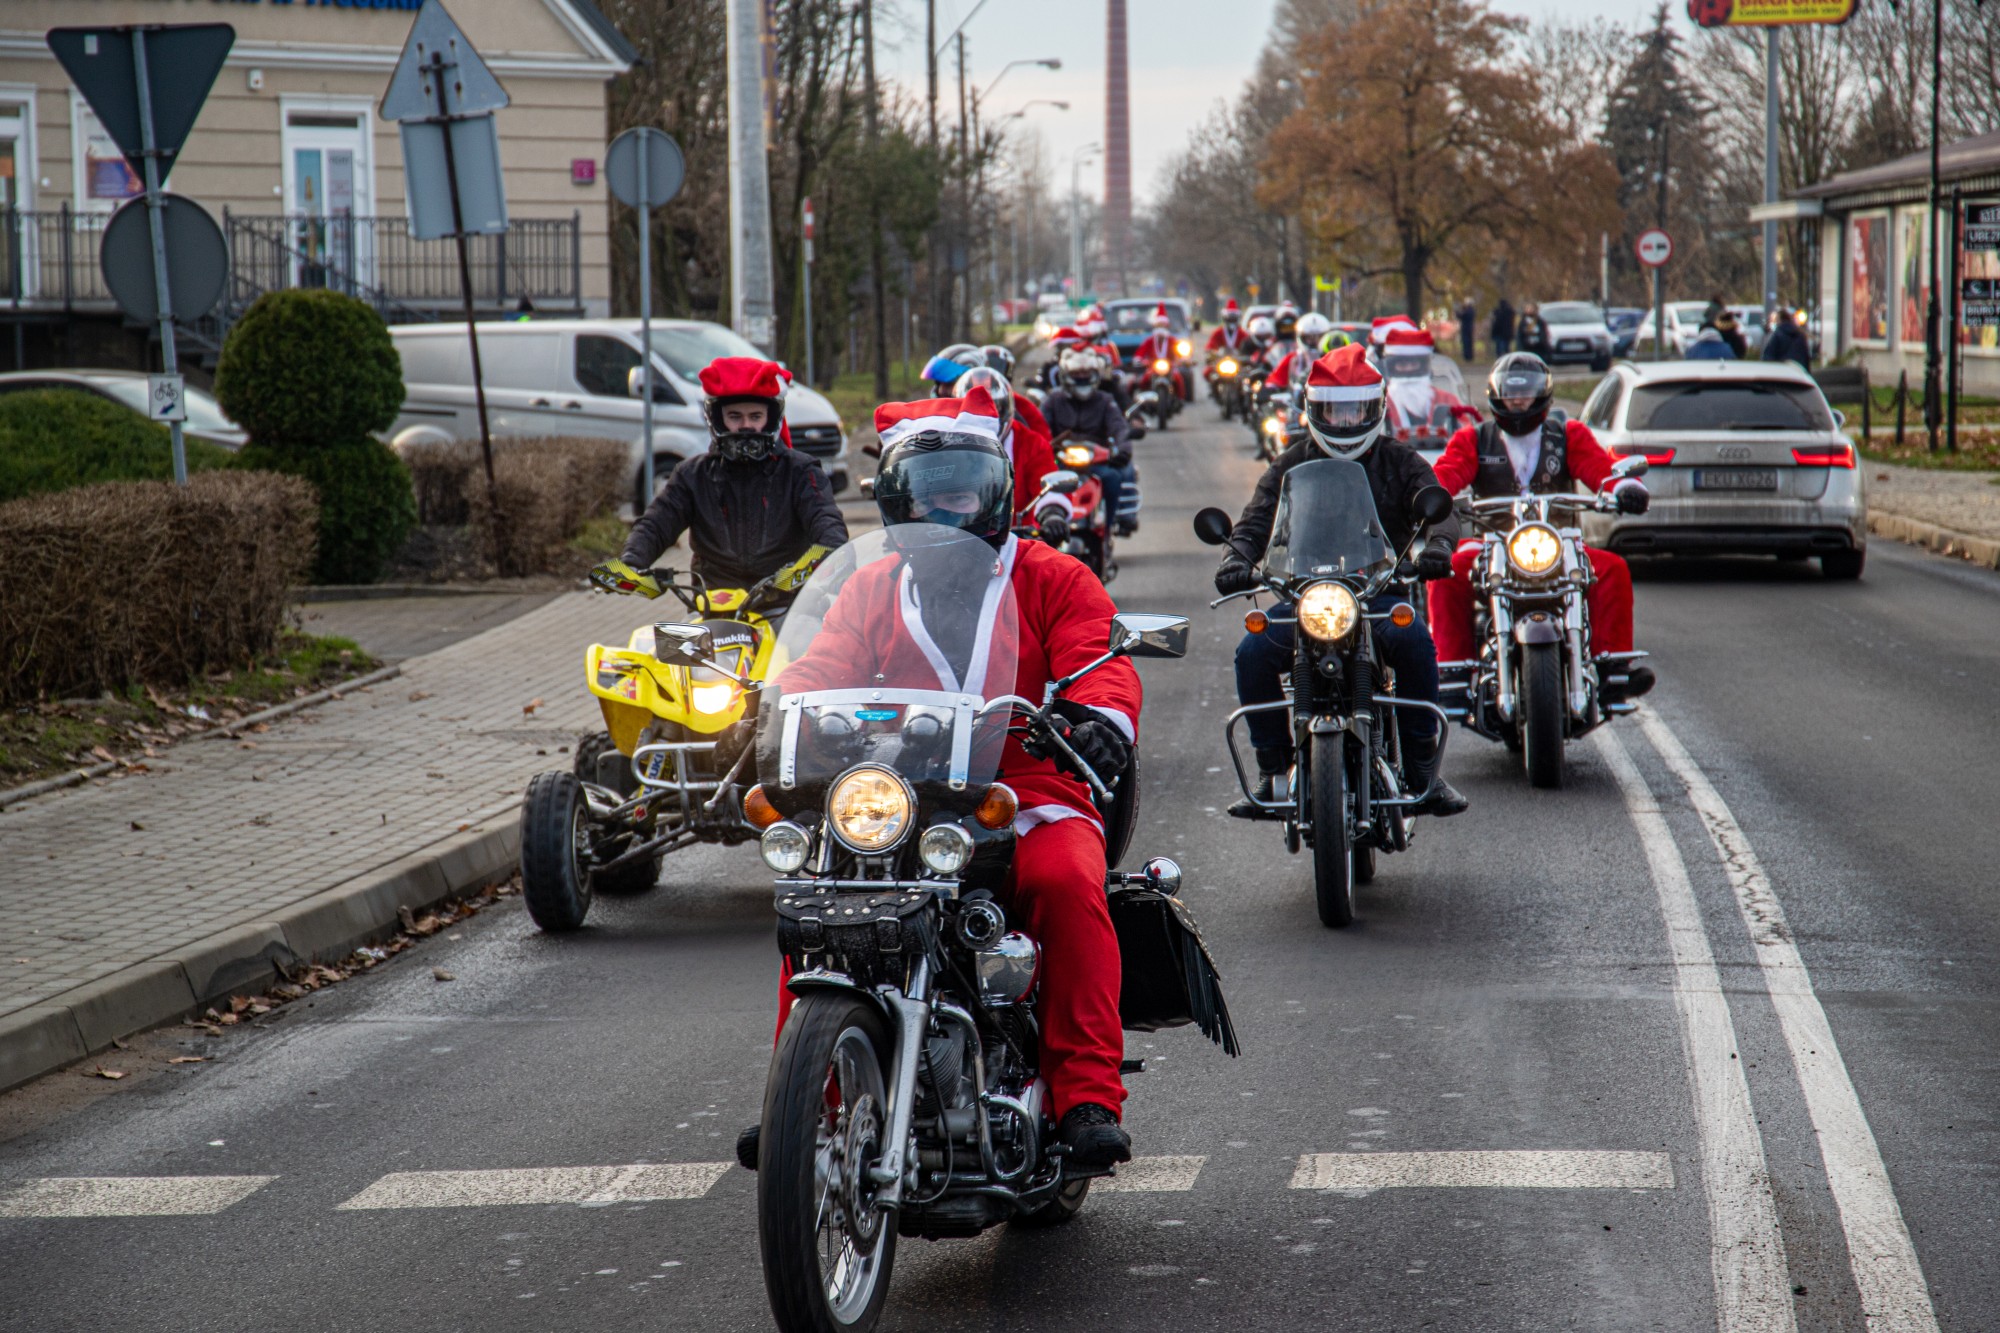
pixel 644 169
pixel 438 67
pixel 806 261
pixel 646 328
pixel 156 205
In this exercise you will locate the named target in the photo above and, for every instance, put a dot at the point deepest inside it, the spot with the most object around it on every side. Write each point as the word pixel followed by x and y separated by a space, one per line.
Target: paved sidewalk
pixel 101 877
pixel 1965 502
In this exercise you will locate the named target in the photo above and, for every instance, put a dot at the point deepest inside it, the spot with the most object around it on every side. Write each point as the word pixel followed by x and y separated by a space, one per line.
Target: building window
pixel 1868 279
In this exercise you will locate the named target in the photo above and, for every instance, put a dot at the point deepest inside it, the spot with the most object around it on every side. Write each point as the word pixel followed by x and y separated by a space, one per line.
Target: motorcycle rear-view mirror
pixel 1632 465
pixel 1213 527
pixel 1060 482
pixel 1148 634
pixel 868 488
pixel 1431 505
pixel 683 645
pixel 1138 431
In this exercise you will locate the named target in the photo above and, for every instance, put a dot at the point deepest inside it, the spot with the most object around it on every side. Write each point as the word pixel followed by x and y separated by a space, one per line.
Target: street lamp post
pixel 1076 161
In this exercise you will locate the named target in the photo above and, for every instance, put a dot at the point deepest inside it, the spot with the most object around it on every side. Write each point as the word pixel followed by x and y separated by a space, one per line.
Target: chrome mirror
pixel 1147 634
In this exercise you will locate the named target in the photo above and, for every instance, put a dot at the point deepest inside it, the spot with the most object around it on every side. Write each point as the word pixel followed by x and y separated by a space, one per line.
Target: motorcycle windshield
pixel 886 657
pixel 1325 525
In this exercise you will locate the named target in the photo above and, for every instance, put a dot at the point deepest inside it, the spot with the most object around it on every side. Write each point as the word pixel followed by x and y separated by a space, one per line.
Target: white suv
pixel 1746 458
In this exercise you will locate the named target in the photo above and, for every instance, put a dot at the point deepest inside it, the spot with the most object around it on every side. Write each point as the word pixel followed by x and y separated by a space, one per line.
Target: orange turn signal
pixel 1402 615
pixel 1256 622
pixel 997 807
pixel 757 808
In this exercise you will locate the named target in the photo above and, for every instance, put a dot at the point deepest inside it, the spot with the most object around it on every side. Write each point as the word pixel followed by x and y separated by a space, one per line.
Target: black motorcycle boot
pixel 1272 764
pixel 1420 762
pixel 746 1147
pixel 1618 685
pixel 1094 1138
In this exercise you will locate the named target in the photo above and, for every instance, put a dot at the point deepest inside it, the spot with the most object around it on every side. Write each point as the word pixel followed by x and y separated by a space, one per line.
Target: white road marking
pixel 1151 1175
pixel 1484 1170
pixel 129 1196
pixel 1894 1295
pixel 597 1185
pixel 1747 1250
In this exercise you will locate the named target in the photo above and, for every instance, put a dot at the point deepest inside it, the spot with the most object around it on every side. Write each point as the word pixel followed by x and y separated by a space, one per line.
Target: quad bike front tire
pixel 555 852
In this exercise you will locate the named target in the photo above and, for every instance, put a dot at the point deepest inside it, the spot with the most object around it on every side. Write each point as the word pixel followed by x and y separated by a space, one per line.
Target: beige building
pixel 291 157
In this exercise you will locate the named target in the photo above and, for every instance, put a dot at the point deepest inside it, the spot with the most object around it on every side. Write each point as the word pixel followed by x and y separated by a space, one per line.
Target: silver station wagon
pixel 1746 459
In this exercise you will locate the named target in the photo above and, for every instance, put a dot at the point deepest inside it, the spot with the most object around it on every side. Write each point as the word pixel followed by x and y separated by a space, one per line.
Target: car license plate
pixel 1735 479
pixel 1570 345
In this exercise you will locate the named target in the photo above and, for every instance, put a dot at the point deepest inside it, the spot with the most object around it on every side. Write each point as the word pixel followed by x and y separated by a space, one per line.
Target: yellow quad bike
pixel 668 770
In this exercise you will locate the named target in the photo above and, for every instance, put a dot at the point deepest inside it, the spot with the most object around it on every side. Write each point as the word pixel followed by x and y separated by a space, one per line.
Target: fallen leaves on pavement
pixel 189 1060
pixel 101 1072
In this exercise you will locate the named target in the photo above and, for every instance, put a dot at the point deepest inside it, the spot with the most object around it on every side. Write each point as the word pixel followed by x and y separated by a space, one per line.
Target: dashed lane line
pixel 598 1186
pixel 1553 1170
pixel 1151 1175
pixel 1894 1296
pixel 129 1196
pixel 1746 1249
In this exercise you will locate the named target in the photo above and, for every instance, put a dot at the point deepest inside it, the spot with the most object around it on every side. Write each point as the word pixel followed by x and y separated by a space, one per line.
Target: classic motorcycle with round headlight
pixel 1535 685
pixel 905 1096
pixel 1327 561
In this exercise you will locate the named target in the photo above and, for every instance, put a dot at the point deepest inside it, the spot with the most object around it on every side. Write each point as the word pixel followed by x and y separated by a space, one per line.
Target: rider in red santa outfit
pixel 1414 402
pixel 1161 345
pixel 942 463
pixel 1229 335
pixel 1028 450
pixel 1525 450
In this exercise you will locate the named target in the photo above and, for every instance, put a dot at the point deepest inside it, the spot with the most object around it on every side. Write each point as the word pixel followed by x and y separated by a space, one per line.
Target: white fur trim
pixel 1051 814
pixel 1344 393
pixel 965 423
pixel 1123 721
pixel 982 643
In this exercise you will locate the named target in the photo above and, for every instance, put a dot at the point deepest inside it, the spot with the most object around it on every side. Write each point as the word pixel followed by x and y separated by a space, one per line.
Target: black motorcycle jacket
pixel 1095 418
pixel 745 521
pixel 1396 472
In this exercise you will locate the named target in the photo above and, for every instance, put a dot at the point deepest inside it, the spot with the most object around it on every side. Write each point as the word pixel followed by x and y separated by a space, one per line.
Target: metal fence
pixel 50 260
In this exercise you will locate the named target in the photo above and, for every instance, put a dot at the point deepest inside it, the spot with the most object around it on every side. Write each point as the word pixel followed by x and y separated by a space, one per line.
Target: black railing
pixel 49 260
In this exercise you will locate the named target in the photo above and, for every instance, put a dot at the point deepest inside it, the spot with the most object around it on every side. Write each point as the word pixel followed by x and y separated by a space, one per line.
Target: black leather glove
pixel 1096 741
pixel 1632 496
pixel 1054 529
pixel 1434 562
pixel 1235 575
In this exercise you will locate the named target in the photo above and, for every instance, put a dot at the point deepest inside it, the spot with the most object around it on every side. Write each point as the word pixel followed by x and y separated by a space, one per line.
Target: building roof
pixel 1977 156
pixel 606 31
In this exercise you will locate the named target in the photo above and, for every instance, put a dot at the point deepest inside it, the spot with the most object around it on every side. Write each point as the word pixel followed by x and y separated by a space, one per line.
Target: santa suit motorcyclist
pixel 1526 449
pixel 1028 453
pixel 751 505
pixel 1417 407
pixel 1382 326
pixel 942 463
pixel 1292 368
pixel 1161 345
pixel 1086 410
pixel 1343 419
pixel 1284 336
pixel 1230 335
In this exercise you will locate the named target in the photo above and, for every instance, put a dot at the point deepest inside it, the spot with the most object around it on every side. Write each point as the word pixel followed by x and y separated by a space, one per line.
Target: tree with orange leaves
pixel 1418 143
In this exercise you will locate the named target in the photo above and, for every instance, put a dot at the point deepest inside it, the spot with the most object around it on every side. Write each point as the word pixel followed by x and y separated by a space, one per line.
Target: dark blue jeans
pixel 1115 480
pixel 1262 658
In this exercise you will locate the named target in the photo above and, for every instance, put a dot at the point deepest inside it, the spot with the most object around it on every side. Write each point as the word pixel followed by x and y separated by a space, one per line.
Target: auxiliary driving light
pixel 1534 548
pixel 870 809
pixel 945 848
pixel 1328 611
pixel 785 847
pixel 712 697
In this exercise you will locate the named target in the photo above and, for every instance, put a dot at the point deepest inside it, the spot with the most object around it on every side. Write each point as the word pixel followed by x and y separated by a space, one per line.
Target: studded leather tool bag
pixel 1169 976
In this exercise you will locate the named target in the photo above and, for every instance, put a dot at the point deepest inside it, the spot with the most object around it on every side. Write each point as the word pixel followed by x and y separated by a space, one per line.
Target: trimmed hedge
pixel 53 439
pixel 199 581
pixel 549 488
pixel 366 510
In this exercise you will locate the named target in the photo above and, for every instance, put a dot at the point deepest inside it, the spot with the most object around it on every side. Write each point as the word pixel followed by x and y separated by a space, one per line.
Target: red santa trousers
pixel 1057 897
pixel 1610 599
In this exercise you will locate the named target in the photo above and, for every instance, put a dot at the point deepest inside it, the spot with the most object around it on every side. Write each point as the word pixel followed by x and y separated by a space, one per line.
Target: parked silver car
pixel 205 420
pixel 1745 458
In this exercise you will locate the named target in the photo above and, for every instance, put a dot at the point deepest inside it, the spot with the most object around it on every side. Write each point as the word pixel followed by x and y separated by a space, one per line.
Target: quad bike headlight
pixel 1075 455
pixel 945 848
pixel 1534 548
pixel 870 809
pixel 785 847
pixel 712 696
pixel 1328 611
pixel 1227 366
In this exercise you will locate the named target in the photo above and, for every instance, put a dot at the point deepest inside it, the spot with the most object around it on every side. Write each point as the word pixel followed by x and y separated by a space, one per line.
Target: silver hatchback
pixel 1746 458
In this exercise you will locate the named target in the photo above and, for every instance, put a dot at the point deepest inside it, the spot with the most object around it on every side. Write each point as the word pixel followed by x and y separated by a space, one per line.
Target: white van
pixel 574 377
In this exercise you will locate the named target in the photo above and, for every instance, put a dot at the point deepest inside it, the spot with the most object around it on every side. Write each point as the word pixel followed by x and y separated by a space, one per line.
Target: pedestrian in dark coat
pixel 1468 316
pixel 1502 328
pixel 1787 342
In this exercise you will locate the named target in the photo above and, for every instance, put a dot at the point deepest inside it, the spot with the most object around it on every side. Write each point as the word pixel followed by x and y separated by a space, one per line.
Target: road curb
pixel 247 957
pixel 368 592
pixel 1978 550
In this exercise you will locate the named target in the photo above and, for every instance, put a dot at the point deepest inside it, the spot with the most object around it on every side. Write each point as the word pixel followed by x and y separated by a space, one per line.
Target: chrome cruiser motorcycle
pixel 1326 562
pixel 1535 686
pixel 905 1095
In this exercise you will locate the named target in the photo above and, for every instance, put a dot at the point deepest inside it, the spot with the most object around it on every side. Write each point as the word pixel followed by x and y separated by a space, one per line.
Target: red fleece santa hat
pixel 1065 334
pixel 1344 375
pixel 1378 331
pixel 744 377
pixel 1229 307
pixel 973 414
pixel 1405 337
pixel 1160 320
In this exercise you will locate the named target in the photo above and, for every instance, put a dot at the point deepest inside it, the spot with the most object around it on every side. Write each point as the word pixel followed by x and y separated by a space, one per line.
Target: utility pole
pixel 961 265
pixel 1931 321
pixel 872 118
pixel 751 302
pixel 1660 221
pixel 942 227
pixel 1770 177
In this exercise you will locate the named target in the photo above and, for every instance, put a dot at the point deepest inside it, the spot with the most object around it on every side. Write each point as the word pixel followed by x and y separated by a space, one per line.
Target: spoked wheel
pixel 1542 714
pixel 827 1248
pixel 555 852
pixel 1333 853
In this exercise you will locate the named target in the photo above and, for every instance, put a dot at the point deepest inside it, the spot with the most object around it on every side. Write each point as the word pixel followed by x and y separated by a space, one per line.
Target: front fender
pixel 822 979
pixel 1537 631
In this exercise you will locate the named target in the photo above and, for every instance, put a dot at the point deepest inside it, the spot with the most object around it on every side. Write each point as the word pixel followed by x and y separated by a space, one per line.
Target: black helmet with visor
pixel 1520 390
pixel 955 479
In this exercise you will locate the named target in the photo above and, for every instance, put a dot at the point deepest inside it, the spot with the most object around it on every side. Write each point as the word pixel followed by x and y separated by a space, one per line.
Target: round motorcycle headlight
pixel 1534 548
pixel 945 848
pixel 1274 426
pixel 1184 348
pixel 1161 367
pixel 870 809
pixel 1226 366
pixel 785 847
pixel 1328 611
pixel 1075 455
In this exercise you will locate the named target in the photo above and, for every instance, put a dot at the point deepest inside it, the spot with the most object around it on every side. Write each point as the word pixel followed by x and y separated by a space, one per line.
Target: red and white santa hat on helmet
pixel 1230 307
pixel 973 414
pixel 1344 375
pixel 744 377
pixel 1160 320
pixel 1402 336
pixel 1378 331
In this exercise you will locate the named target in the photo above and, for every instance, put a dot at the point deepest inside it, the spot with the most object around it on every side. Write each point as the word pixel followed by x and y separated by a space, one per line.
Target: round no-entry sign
pixel 1654 247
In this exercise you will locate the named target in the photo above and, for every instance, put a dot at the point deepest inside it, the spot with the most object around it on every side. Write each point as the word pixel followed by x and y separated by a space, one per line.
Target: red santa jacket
pixel 1588 460
pixel 1062 622
pixel 1281 374
pixel 1034 457
pixel 1228 338
pixel 1159 343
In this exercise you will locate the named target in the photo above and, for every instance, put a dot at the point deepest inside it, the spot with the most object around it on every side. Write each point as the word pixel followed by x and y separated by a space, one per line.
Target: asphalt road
pixel 1568 977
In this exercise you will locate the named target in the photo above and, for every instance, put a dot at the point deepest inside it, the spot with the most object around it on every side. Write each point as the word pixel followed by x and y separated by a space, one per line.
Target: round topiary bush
pixel 311 376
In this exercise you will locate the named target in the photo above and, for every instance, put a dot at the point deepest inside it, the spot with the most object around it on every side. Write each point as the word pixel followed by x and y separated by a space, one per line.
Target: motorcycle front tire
pixel 1542 714
pixel 1066 1205
pixel 555 852
pixel 1333 854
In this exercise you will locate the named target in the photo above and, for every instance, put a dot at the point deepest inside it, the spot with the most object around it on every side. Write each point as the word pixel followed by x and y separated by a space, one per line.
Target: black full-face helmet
pixel 1520 390
pixel 952 478
pixel 999 358
pixel 997 385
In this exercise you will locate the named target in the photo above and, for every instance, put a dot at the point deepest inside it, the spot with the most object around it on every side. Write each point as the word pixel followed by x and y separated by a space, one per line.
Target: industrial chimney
pixel 1117 145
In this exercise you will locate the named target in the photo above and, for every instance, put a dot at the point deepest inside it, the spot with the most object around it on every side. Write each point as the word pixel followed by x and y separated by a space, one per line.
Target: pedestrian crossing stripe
pixel 599 1186
pixel 129 1196
pixel 1367 1171
pixel 1151 1175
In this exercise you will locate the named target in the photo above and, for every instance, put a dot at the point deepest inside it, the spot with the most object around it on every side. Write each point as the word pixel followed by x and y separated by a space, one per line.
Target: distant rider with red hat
pixel 1159 344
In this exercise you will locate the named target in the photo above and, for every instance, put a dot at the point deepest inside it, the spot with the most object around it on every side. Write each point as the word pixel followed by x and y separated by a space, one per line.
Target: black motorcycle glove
pixel 1434 562
pixel 1054 529
pixel 1632 496
pixel 1235 575
pixel 1096 741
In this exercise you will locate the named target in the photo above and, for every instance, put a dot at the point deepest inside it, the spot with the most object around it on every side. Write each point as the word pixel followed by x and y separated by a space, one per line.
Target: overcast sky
pixel 1184 58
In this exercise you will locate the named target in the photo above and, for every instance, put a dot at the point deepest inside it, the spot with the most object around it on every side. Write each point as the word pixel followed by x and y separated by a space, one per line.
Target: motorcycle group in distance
pixel 930 732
